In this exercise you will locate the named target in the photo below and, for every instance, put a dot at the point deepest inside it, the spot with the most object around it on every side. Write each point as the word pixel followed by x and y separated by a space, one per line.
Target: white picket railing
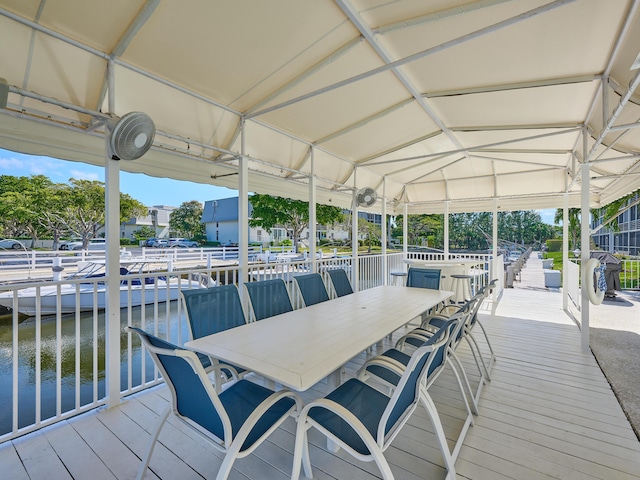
pixel 52 367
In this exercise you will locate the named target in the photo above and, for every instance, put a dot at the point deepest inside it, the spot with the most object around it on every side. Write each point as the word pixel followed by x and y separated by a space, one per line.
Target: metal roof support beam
pixel 400 147
pixel 411 167
pixel 355 18
pixel 477 147
pixel 614 116
pixel 519 162
pixel 437 16
pixel 533 126
pixel 328 60
pixel 417 56
pixel 485 176
pixel 439 169
pixel 364 121
pixel 513 86
pixel 143 15
pixel 627 126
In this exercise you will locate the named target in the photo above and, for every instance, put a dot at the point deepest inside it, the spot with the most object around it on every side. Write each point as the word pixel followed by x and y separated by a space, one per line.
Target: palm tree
pixel 574 224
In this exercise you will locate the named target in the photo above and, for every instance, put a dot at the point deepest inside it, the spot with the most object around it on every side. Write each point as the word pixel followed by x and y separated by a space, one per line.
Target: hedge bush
pixel 554 245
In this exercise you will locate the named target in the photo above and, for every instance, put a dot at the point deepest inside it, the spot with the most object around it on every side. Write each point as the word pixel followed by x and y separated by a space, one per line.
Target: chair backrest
pixel 268 298
pixel 311 288
pixel 424 278
pixel 213 310
pixel 194 399
pixel 340 282
pixel 425 362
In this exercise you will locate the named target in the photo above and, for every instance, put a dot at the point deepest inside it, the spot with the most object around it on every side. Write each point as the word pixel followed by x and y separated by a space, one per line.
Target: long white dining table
pixel 300 348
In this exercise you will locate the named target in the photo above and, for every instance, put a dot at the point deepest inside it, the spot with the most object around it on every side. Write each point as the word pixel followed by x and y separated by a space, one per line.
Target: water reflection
pixel 75 338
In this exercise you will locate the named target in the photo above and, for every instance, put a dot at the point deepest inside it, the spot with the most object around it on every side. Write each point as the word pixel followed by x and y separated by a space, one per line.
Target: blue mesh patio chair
pixel 235 421
pixel 364 421
pixel 311 288
pixel 213 310
pixel 424 278
pixel 340 282
pixel 268 298
pixel 430 324
pixel 388 367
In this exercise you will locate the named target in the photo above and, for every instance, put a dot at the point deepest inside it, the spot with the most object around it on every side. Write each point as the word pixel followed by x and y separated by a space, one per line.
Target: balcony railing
pixel 52 367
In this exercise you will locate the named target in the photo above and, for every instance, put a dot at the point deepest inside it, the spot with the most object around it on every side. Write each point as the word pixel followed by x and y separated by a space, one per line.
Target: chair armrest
pixel 388 363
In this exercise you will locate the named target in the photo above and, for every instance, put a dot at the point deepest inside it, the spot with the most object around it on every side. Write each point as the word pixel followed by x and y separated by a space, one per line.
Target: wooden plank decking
pixel 548 413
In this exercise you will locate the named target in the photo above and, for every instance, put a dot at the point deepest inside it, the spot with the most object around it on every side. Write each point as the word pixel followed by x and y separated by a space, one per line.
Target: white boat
pixel 79 295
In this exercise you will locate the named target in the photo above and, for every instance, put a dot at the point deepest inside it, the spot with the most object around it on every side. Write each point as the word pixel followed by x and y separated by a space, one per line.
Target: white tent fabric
pixel 466 101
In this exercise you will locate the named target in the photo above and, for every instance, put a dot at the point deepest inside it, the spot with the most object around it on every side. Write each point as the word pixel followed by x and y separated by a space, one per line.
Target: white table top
pixel 298 349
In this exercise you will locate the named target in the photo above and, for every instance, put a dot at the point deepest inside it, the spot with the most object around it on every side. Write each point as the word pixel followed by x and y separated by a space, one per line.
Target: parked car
pixel 10 243
pixel 94 244
pixel 149 242
pixel 183 242
pixel 161 243
pixel 67 243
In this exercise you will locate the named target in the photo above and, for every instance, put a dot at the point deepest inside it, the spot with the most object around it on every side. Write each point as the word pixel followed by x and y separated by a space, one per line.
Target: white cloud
pixel 79 174
pixel 11 163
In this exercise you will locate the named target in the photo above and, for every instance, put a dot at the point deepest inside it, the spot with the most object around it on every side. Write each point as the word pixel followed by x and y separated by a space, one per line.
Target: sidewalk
pixel 614 338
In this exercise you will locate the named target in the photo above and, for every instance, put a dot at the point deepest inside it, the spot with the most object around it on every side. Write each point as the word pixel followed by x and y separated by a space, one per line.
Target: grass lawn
pixel 557 259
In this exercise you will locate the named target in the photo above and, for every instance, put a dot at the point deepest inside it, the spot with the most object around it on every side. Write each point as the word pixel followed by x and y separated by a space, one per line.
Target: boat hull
pixel 71 298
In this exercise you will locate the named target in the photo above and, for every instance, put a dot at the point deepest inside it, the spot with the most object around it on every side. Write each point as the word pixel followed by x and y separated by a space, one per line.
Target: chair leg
pixel 484 371
pixel 432 411
pixel 474 404
pixel 301 451
pixel 382 463
pixel 152 442
pixel 492 358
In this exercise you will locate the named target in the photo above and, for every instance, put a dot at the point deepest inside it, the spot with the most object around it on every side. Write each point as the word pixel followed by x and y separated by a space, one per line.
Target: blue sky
pixel 146 189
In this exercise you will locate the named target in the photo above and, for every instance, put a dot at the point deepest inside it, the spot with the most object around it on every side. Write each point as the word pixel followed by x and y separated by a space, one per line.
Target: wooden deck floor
pixel 548 413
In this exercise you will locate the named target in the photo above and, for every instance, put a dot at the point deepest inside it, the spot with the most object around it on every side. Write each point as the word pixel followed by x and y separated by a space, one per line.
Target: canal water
pixel 90 367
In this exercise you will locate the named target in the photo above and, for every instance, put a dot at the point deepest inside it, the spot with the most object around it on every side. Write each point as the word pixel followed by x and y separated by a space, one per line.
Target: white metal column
pixel 355 274
pixel 446 230
pixel 584 249
pixel 312 216
pixel 243 212
pixel 565 250
pixel 383 231
pixel 112 266
pixel 405 231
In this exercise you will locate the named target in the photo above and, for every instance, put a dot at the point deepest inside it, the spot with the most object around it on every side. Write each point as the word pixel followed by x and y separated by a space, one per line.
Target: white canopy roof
pixel 424 101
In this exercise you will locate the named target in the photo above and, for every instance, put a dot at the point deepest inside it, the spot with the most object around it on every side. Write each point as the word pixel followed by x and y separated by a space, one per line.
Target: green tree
pixel 52 218
pixel 186 220
pixel 84 214
pixel 370 231
pixel 22 199
pixel 574 225
pixel 421 228
pixel 144 232
pixel 269 212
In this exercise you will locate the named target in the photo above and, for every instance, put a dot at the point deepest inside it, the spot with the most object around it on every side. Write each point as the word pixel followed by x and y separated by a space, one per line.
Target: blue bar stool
pixel 399 277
